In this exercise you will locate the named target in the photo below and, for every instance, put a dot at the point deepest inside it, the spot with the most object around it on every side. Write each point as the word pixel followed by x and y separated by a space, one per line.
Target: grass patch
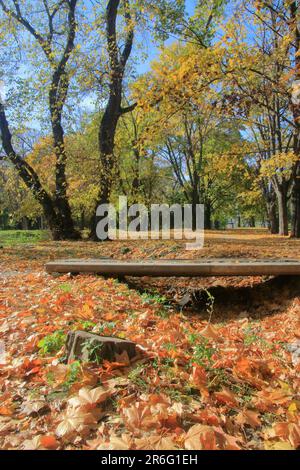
pixel 148 298
pixel 202 351
pixel 51 344
pixel 137 376
pixel 17 237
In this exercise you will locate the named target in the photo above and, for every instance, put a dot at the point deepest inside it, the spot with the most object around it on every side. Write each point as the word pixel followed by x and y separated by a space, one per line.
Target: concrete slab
pixel 178 267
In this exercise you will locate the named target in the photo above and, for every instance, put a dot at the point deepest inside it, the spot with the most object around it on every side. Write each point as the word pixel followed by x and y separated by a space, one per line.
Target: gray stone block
pixel 89 347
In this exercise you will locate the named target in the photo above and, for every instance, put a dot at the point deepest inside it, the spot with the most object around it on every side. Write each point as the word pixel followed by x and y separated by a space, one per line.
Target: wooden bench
pixel 178 267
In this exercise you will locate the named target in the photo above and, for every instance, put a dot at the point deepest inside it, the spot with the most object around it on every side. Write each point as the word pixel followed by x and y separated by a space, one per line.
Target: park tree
pixel 194 132
pixel 293 23
pixel 142 174
pixel 206 167
pixel 52 28
pixel 16 201
pixel 263 184
pixel 81 168
pixel 270 143
pixel 263 69
pixel 122 19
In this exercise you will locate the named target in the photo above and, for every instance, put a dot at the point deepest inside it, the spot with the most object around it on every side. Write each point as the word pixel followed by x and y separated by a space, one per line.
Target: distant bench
pixel 178 267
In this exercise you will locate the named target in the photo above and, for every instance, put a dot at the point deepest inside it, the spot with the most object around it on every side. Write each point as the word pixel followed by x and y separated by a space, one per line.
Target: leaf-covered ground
pixel 232 383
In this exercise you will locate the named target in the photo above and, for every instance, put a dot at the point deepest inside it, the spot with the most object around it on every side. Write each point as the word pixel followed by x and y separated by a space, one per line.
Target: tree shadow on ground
pixel 267 297
pixel 272 296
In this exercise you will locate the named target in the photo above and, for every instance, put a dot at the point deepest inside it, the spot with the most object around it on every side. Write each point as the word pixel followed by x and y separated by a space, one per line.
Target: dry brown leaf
pixel 32 444
pixel 89 398
pixel 226 397
pixel 211 332
pixel 278 445
pixel 200 437
pixel 124 442
pixel 155 442
pixel 74 422
pixel 139 416
pixel 34 407
pixel 248 417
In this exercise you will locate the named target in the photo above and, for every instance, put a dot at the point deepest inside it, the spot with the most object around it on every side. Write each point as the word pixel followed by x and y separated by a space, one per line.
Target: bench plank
pixel 178 267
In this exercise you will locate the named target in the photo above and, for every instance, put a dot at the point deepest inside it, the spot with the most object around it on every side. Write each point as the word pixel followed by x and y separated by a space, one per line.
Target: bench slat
pixel 178 267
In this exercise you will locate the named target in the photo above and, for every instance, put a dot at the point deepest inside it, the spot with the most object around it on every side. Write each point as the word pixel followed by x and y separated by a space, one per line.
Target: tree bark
pixel 30 178
pixel 295 194
pixel 207 216
pixel 282 212
pixel 273 222
pixel 295 204
pixel 271 209
pixel 61 198
pixel 195 201
pixel 113 110
pixel 59 216
pixel 57 98
pixel 252 222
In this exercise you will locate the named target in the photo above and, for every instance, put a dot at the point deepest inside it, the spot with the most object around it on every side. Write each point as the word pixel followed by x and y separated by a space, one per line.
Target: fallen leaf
pixel 74 422
pixel 89 398
pixel 49 442
pixel 249 417
pixel 226 397
pixel 278 445
pixel 210 332
pixel 200 436
pixel 34 407
pixel 155 442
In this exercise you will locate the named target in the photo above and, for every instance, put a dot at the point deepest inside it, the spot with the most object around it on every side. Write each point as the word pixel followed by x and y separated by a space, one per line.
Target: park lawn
pixel 15 237
pixel 228 384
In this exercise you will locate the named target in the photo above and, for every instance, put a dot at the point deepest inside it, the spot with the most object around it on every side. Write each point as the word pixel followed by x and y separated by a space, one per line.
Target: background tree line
pixel 215 120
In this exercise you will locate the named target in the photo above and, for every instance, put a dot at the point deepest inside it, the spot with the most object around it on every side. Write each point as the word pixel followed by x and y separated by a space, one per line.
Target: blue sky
pixel 142 62
pixel 153 50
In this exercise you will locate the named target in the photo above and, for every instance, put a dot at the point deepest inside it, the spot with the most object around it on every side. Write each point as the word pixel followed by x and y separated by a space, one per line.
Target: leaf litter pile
pixel 228 383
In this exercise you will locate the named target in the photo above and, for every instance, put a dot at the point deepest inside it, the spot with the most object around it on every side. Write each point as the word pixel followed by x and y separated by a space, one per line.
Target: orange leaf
pixel 200 437
pixel 199 379
pixel 248 417
pixel 49 442
pixel 210 332
pixel 5 411
pixel 226 397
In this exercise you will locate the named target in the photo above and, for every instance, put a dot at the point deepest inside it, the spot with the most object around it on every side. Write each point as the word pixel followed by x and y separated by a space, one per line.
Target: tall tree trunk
pixel 24 223
pixel 207 216
pixel 252 221
pixel 195 201
pixel 271 209
pixel 57 97
pixel 31 179
pixel 113 111
pixel 282 212
pixel 106 149
pixel 273 222
pixel 136 179
pixel 57 210
pixel 295 195
pixel 295 204
pixel 61 198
